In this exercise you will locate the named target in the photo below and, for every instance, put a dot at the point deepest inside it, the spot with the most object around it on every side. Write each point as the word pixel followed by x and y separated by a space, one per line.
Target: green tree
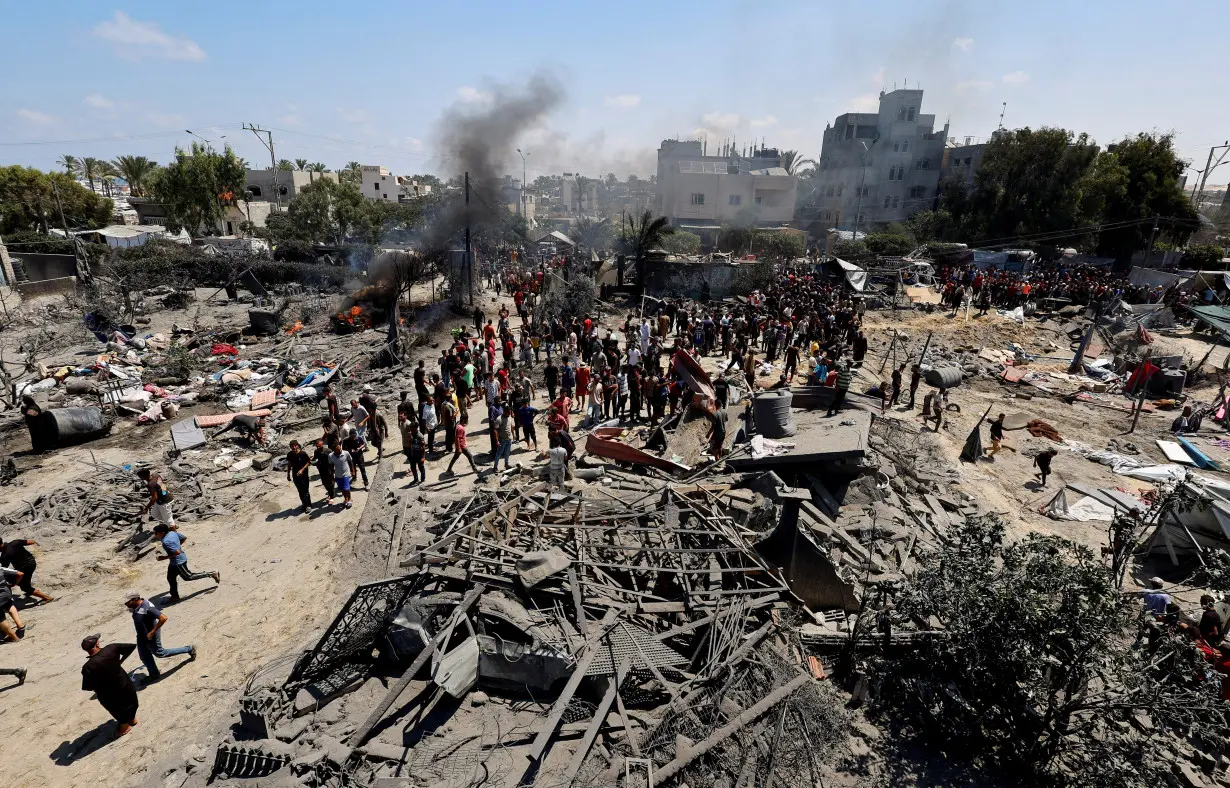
pixel 92 170
pixel 301 164
pixel 1203 257
pixel 591 235
pixel 352 172
pixel 197 186
pixel 778 246
pixel 889 244
pixel 682 242
pixel 928 226
pixel 32 200
pixel 848 250
pixel 330 212
pixel 138 171
pixel 641 235
pixel 1145 185
pixel 70 163
pixel 794 163
pixel 1034 669
pixel 285 165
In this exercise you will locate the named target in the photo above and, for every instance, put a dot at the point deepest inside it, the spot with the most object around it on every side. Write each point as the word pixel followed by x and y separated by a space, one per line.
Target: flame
pixel 354 317
pixel 296 328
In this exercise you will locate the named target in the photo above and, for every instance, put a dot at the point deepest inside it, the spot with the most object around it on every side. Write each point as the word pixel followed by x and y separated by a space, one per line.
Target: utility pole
pixel 1209 167
pixel 1152 236
pixel 267 141
pixel 468 271
pixel 521 206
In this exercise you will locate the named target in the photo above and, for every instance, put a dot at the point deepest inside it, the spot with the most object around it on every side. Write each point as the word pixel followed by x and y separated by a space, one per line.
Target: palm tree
pixel 643 235
pixel 137 171
pixel 285 165
pixel 351 173
pixel 591 234
pixel 316 167
pixel 793 163
pixel 70 163
pixel 92 169
pixel 301 164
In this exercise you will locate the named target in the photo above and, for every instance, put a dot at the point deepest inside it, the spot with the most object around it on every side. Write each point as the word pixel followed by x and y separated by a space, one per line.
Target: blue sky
pixel 369 81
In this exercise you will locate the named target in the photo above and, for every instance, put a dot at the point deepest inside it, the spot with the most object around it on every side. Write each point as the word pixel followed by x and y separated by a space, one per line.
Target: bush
pixel 778 246
pixel 849 249
pixel 161 263
pixel 682 242
pixel 889 244
pixel 1203 256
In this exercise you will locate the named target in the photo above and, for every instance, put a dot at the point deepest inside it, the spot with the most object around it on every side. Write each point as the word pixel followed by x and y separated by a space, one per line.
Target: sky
pixel 337 82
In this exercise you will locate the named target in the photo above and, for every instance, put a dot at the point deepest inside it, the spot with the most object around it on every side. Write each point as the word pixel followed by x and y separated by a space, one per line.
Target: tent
pixel 855 276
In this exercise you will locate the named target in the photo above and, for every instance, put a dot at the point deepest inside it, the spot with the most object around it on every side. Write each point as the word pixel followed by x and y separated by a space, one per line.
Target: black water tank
pixel 771 411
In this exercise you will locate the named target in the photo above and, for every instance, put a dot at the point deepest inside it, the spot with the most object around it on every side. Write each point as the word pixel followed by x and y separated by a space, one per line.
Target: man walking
pixel 14 553
pixel 297 465
pixel 356 446
pixel 459 445
pixel 915 379
pixel 342 465
pixel 177 569
pixel 997 435
pixel 503 439
pixel 843 386
pixel 320 458
pixel 414 447
pixel 159 497
pixel 104 675
pixel 898 374
pixel 148 622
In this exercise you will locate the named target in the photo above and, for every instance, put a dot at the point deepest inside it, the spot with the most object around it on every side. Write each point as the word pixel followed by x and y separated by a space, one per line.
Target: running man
pixel 177 569
pixel 159 497
pixel 14 553
pixel 148 622
pixel 104 675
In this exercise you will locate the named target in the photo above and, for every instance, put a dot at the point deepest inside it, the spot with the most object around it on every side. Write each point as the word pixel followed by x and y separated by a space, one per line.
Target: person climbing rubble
pixel 159 497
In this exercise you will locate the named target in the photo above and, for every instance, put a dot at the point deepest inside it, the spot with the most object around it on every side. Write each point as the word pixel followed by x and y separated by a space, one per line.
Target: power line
pixel 92 140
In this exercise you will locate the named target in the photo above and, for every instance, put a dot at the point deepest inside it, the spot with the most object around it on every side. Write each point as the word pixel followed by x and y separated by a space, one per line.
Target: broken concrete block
pixel 534 567
pixel 478 699
pixel 262 461
pixel 291 730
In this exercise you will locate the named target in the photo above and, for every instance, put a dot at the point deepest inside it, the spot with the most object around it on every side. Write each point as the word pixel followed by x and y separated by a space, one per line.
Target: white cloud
pixel 721 120
pixel 623 101
pixel 973 84
pixel 963 44
pixel 868 102
pixel 760 123
pixel 98 101
pixel 135 39
pixel 1016 78
pixel 34 116
pixel 473 95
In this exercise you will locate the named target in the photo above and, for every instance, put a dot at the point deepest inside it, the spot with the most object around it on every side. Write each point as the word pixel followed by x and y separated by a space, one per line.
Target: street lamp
pixel 521 204
pixel 858 211
pixel 206 140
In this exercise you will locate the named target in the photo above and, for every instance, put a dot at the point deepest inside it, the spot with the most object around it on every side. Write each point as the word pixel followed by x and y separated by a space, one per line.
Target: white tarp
pixel 1087 509
pixel 1151 277
pixel 856 276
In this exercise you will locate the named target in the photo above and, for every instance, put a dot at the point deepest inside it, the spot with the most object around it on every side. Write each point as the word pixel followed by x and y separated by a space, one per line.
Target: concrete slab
pixel 819 439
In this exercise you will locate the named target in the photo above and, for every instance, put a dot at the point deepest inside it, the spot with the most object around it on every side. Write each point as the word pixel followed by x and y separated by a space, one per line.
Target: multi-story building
pixel 379 184
pixel 879 167
pixel 700 192
pixel 260 184
pixel 578 196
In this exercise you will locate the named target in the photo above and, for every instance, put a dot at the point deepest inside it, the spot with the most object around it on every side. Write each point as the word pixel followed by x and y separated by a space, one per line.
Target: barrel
pixel 944 377
pixel 59 427
pixel 771 410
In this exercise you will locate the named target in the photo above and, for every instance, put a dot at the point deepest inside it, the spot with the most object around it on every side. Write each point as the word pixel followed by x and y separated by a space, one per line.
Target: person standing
pixel 357 447
pixel 997 435
pixel 177 569
pixel 320 458
pixel 898 375
pixel 343 468
pixel 557 461
pixel 1043 463
pixel 358 417
pixel 503 436
pixel 459 445
pixel 297 465
pixel 717 432
pixel 14 553
pixel 427 420
pixel 415 448
pixel 843 386
pixel 104 675
pixel 159 497
pixel 525 415
pixel 1211 626
pixel 148 622
pixel 915 379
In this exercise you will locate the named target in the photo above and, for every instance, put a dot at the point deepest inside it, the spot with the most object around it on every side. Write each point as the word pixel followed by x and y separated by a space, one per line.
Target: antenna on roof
pixel 1001 114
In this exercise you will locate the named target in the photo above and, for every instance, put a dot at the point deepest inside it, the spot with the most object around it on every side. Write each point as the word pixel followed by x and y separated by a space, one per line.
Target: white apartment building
pixel 879 167
pixel 701 192
pixel 578 198
pixel 379 184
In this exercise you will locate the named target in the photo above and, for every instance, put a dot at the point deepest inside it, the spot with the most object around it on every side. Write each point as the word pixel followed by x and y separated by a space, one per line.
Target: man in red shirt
pixel 562 406
pixel 459 445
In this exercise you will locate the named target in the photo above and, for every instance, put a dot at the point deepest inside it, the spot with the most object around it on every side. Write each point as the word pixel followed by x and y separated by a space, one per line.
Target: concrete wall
pixel 672 279
pixel 66 284
pixel 40 267
pixel 379 184
pixel 259 183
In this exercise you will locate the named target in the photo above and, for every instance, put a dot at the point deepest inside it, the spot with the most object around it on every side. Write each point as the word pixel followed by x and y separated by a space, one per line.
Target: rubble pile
pixel 572 638
pixel 108 501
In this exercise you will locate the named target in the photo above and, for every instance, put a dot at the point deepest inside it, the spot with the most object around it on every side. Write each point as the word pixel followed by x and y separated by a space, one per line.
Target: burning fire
pixel 355 318
pixel 296 328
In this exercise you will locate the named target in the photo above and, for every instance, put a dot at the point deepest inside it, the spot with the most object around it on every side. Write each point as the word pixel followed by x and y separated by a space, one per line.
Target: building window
pixel 896 147
pixel 918 192
pixel 839 188
pixel 862 217
pixel 892 173
pixel 736 199
pixel 759 199
pixel 376 186
pixel 384 196
pixel 905 146
pixel 698 198
pixel 885 202
pixel 967 162
pixel 926 164
pixel 254 191
pixel 895 201
pixel 901 113
pixel 866 190
pixel 910 115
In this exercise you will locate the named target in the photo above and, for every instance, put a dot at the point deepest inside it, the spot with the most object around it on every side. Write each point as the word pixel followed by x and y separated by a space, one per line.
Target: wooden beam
pixel 599 719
